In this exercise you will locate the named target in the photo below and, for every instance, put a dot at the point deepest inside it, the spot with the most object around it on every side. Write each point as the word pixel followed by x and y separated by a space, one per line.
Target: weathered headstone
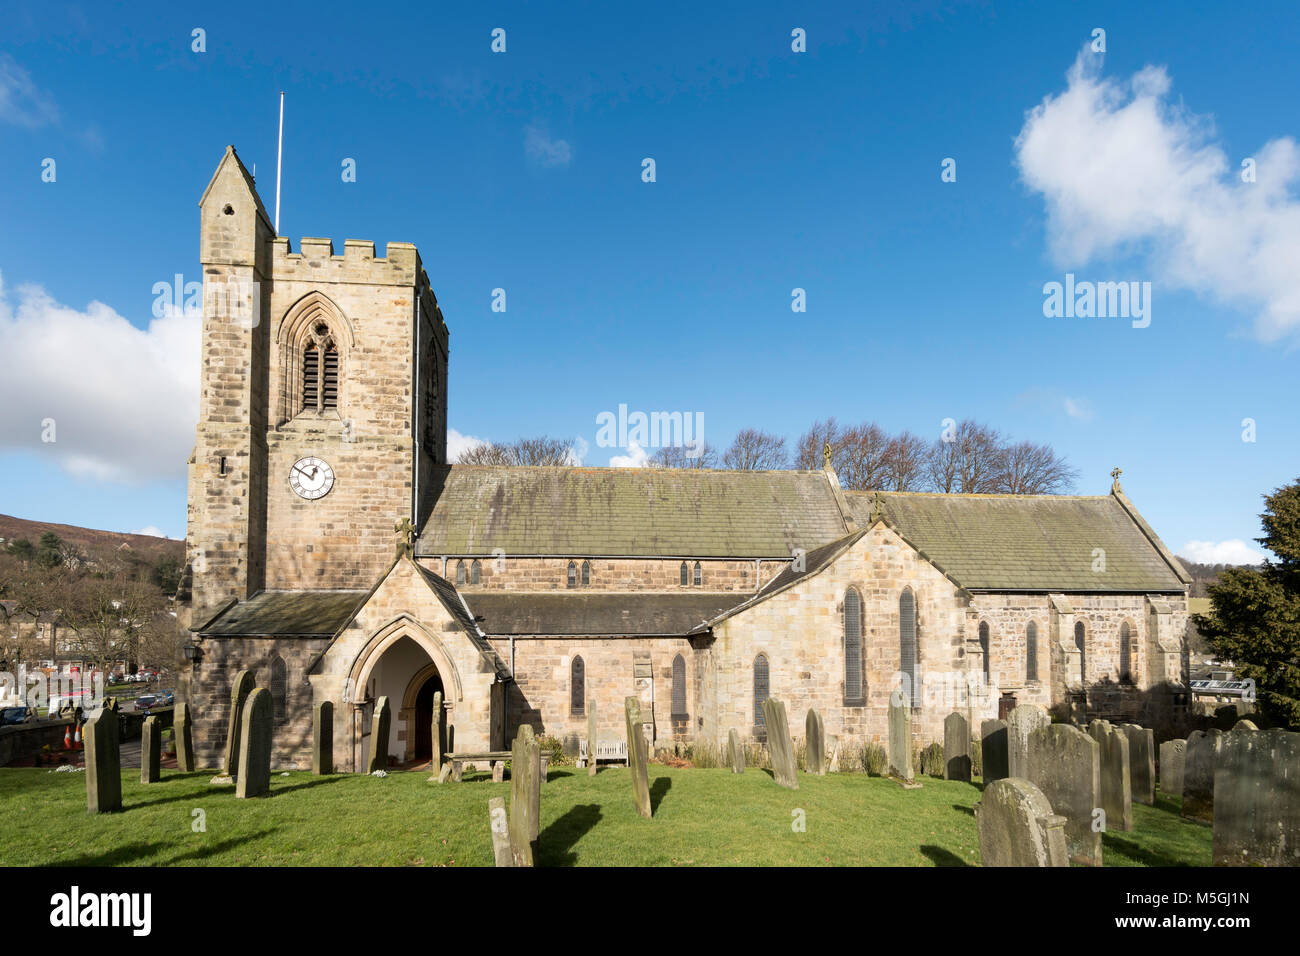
pixel 239 691
pixel 1018 828
pixel 814 743
pixel 1257 799
pixel 150 751
pixel 499 823
pixel 183 732
pixel 1199 762
pixel 900 740
pixel 254 776
pixel 322 739
pixel 1116 774
pixel 993 750
pixel 525 762
pixel 735 752
pixel 779 744
pixel 833 745
pixel 103 763
pixel 380 721
pixel 437 733
pixel 1244 724
pixel 1142 762
pixel 498 771
pixel 956 747
pixel 1065 764
pixel 637 756
pixel 593 738
pixel 1023 720
pixel 1172 753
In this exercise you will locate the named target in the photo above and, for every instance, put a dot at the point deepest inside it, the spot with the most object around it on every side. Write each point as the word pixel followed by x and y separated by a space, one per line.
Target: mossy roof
pixel 602 614
pixel 287 614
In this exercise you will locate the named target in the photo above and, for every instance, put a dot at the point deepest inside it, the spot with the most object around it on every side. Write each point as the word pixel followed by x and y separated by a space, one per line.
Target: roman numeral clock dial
pixel 311 478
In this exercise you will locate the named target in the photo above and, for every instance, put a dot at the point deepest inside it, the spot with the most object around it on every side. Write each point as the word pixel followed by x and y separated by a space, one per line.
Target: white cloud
pixel 580 450
pixel 544 150
pixel 1123 168
pixel 458 444
pixel 21 102
pixel 1233 551
pixel 150 530
pixel 636 457
pixel 1078 409
pixel 123 401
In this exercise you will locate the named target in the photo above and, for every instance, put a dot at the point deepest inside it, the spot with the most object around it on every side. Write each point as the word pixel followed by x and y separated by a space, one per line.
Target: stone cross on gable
pixel 405 535
pixel 826 454
pixel 1115 475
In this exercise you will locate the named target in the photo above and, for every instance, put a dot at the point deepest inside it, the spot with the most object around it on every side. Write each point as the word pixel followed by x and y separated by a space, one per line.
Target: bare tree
pixel 1030 469
pixel 966 460
pixel 859 457
pixel 542 450
pixel 104 616
pixel 754 450
pixel 679 456
pixel 809 451
pixel 905 463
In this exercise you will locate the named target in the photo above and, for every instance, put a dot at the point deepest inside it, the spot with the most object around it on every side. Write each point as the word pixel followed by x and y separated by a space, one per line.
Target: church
pixel 333 550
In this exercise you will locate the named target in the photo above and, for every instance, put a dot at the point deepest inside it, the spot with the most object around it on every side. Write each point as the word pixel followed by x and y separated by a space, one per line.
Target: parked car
pixel 16 715
pixel 145 702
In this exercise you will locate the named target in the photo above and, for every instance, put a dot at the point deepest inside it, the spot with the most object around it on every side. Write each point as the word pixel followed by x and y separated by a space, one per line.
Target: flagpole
pixel 279 153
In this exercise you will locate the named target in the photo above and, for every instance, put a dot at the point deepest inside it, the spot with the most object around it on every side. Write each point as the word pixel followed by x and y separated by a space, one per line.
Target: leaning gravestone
pixel 735 752
pixel 525 795
pixel 1065 764
pixel 437 733
pixel 779 744
pixel 1023 720
pixel 815 743
pixel 150 751
pixel 637 757
pixel 103 763
pixel 254 776
pixel 1199 761
pixel 1172 753
pixel 239 691
pixel 900 740
pixel 183 734
pixel 322 739
pixel 593 739
pixel 993 750
pixel 1257 800
pixel 1018 828
pixel 379 724
pixel 1116 775
pixel 1142 762
pixel 956 747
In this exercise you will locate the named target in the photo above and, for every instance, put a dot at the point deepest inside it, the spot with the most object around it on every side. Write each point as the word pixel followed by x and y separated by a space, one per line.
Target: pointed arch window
pixel 699 574
pixel 577 687
pixel 985 648
pixel 685 572
pixel 1031 652
pixel 573 575
pixel 762 689
pixel 1125 653
pixel 679 687
pixel 476 572
pixel 586 574
pixel 460 573
pixel 907 650
pixel 279 689
pixel 1079 641
pixel 853 695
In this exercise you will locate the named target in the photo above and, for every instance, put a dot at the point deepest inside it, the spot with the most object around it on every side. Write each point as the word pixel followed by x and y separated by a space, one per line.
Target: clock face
pixel 311 478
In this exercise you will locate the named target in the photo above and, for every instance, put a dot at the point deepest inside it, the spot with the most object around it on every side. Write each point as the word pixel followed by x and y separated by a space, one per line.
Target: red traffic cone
pixel 67 738
pixel 76 738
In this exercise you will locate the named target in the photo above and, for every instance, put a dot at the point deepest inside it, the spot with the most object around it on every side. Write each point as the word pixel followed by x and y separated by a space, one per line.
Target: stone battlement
pixel 317 262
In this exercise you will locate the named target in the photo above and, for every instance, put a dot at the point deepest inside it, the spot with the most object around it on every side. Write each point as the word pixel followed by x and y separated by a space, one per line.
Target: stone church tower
pixel 323 407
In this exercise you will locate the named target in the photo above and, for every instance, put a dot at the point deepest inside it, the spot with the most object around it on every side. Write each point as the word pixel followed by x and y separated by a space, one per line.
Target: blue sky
pixel 775 170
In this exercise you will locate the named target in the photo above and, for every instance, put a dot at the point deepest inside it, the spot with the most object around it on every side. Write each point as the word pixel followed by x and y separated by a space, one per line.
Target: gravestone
pixel 1244 724
pixel 1257 799
pixel 637 757
pixel 1142 762
pixel 150 751
pixel 499 824
pixel 735 752
pixel 592 738
pixel 525 795
pixel 437 733
pixel 993 750
pixel 956 747
pixel 498 771
pixel 815 744
pixel 254 776
pixel 1023 720
pixel 239 691
pixel 1018 828
pixel 779 744
pixel 900 740
pixel 1171 767
pixel 1065 763
pixel 103 763
pixel 322 739
pixel 833 745
pixel 183 734
pixel 1116 774
pixel 380 721
pixel 1199 761
pixel 932 763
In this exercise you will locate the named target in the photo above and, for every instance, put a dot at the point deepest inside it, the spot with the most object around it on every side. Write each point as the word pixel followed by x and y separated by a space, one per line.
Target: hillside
pixel 97 546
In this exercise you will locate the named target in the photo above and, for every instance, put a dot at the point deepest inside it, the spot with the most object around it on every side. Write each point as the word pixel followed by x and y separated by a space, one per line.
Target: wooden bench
pixel 608 750
pixel 457 761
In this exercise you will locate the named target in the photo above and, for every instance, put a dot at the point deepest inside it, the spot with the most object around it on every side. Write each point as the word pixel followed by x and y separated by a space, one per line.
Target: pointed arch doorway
pixel 417 707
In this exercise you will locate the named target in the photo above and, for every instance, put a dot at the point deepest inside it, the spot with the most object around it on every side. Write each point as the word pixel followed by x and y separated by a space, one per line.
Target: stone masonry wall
pixel 607 574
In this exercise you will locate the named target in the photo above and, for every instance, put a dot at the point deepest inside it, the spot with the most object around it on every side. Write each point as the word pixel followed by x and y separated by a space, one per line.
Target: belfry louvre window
pixel 679 687
pixel 761 689
pixel 311 378
pixel 1031 651
pixel 907 644
pixel 852 647
pixel 577 687
pixel 320 371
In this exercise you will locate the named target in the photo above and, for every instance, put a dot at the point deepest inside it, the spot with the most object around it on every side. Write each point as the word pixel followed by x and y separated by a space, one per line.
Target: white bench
pixel 607 750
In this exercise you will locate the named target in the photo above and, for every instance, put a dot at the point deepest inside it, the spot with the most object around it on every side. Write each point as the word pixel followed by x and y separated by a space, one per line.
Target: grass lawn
pixel 702 818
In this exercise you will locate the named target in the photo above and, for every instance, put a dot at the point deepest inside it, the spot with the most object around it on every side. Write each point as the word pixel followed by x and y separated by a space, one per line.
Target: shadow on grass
pixel 118 856
pixel 554 843
pixel 969 811
pixel 941 857
pixel 306 785
pixel 658 790
pixel 200 854
pixel 1144 855
pixel 553 774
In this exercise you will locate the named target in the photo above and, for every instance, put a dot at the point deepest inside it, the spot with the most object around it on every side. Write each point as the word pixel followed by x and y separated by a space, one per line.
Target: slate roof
pixel 1029 542
pixel 628 512
pixel 603 614
pixel 286 614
